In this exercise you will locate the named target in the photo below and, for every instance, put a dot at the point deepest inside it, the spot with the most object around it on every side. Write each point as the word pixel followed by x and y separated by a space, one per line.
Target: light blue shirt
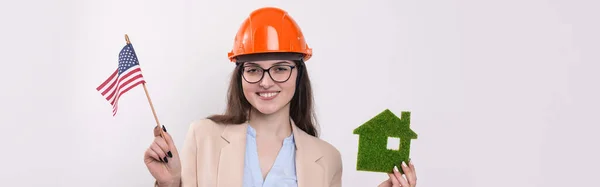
pixel 283 172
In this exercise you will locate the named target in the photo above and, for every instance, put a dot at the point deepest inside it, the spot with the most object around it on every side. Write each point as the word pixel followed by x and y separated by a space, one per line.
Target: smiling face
pixel 269 90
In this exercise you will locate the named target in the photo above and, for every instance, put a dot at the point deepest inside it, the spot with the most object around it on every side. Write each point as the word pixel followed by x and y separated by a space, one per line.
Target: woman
pixel 267 136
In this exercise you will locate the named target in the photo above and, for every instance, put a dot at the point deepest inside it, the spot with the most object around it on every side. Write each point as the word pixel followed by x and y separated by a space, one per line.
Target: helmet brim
pixel 270 56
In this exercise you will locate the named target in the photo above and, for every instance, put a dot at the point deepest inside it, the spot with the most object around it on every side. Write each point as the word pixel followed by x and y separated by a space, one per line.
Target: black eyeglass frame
pixel 268 70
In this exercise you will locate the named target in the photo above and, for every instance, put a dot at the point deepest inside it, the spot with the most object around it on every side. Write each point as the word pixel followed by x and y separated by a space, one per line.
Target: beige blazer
pixel 213 156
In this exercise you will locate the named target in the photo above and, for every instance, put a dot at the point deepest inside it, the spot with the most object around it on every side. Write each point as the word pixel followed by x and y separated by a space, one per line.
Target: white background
pixel 502 93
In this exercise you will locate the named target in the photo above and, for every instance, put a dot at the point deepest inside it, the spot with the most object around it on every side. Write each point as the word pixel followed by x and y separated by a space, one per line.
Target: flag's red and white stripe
pixel 116 85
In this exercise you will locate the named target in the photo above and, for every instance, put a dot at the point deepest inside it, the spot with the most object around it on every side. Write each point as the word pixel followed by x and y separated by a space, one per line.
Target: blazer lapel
pixel 308 170
pixel 231 159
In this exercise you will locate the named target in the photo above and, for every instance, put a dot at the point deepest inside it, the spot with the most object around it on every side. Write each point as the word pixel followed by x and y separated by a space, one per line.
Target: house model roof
pixel 388 124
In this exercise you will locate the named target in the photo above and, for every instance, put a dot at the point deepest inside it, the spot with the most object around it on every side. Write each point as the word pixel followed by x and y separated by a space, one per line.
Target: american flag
pixel 127 76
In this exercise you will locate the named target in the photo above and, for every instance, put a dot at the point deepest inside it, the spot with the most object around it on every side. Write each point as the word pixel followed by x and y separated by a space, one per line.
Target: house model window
pixel 393 143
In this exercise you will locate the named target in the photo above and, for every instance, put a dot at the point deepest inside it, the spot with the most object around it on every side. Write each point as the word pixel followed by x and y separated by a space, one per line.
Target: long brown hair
pixel 301 105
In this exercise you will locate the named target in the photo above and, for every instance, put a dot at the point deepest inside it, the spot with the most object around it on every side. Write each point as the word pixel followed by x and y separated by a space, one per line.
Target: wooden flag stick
pixel 149 100
pixel 127 39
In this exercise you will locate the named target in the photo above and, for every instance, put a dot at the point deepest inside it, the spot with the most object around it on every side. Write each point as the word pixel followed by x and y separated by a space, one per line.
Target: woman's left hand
pixel 409 179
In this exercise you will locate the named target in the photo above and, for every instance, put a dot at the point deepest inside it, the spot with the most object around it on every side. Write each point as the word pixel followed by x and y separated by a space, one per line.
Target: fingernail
pixel 410 162
pixel 404 164
pixel 164 129
pixel 170 155
pixel 160 159
pixel 167 161
pixel 396 169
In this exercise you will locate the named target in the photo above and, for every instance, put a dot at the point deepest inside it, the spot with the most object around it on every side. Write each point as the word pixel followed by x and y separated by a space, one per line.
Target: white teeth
pixel 271 94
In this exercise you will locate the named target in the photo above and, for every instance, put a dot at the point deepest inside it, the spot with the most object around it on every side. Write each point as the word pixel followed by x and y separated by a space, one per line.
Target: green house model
pixel 373 152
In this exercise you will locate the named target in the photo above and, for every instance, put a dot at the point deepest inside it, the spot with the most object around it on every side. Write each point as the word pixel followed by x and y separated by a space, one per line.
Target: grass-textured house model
pixel 373 154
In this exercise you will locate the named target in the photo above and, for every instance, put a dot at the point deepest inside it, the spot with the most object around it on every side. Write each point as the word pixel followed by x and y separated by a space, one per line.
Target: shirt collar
pixel 252 133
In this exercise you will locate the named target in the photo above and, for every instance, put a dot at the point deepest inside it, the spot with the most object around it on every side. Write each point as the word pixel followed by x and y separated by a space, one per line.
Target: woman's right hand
pixel 162 160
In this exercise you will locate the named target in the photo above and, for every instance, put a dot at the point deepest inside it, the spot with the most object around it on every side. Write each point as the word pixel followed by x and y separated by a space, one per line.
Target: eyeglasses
pixel 278 73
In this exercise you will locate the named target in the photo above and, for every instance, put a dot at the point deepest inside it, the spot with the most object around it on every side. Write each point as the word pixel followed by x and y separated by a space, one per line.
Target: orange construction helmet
pixel 269 30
